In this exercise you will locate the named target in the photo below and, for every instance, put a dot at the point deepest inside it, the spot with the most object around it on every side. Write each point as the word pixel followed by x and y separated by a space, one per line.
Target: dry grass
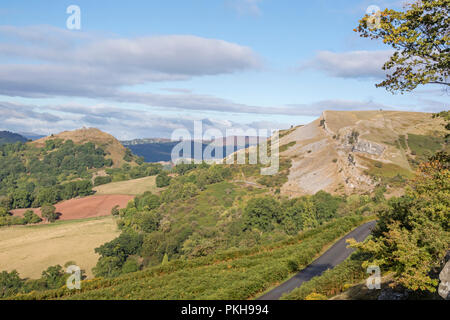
pixel 32 249
pixel 320 157
pixel 130 187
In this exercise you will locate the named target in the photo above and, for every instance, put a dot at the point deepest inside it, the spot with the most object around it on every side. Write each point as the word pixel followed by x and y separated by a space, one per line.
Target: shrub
pixel 49 213
pixel 261 213
pixel 102 180
pixel 162 180
pixel 30 217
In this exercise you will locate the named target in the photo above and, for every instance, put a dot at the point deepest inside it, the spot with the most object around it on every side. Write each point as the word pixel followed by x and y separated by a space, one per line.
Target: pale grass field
pixel 130 187
pixel 32 249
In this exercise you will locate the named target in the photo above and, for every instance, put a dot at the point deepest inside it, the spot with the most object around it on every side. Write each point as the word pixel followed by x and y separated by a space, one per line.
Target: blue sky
pixel 144 68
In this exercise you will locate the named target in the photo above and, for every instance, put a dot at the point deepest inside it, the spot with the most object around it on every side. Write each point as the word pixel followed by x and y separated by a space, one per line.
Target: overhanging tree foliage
pixel 421 37
pixel 412 236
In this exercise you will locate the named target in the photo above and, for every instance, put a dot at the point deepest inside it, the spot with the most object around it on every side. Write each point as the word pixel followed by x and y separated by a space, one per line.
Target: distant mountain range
pixel 157 149
pixel 11 137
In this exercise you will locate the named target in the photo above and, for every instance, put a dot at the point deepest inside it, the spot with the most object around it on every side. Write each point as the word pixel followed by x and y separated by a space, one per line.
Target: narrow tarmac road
pixel 331 258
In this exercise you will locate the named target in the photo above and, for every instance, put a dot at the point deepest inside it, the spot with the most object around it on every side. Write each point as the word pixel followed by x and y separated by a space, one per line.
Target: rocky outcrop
pixel 368 147
pixel 444 285
pixel 391 294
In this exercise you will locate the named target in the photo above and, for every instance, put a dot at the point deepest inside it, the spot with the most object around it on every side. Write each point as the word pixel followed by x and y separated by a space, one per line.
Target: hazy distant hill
pixel 155 150
pixel 10 137
pixel 32 136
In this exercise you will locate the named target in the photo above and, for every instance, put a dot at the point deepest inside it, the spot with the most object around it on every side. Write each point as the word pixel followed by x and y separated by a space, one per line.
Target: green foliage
pixel 165 260
pixel 424 146
pixel 32 176
pixel 326 205
pixel 162 180
pixel 108 267
pixel 128 155
pixel 115 253
pixel 102 180
pixel 379 194
pixel 332 281
pixel 420 37
pixel 179 191
pixel 402 141
pixel 285 147
pixel 262 213
pixel 49 213
pixel 412 235
pixel 54 277
pixel 115 211
pixel 146 201
pixel 30 217
pixel 231 275
pixel 128 172
pixel 280 178
pixel 184 168
pixel 10 284
pixel 131 265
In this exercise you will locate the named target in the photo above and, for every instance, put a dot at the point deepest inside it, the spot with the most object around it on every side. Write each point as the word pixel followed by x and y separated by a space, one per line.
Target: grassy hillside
pixel 236 274
pixel 129 187
pixel 32 249
pixel 353 152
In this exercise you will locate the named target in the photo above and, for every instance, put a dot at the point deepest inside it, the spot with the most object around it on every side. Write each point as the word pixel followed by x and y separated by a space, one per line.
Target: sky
pixel 142 69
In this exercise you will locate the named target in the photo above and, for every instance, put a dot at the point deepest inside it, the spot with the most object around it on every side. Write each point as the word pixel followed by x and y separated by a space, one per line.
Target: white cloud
pixel 316 108
pixel 124 123
pixel 129 123
pixel 73 64
pixel 352 64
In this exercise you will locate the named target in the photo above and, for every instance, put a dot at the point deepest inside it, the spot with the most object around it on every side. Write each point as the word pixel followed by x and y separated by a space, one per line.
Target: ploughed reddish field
pixel 88 207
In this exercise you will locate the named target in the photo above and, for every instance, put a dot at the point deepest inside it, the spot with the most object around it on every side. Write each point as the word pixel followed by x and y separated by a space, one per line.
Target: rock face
pixel 341 151
pixel 368 147
pixel 390 294
pixel 444 285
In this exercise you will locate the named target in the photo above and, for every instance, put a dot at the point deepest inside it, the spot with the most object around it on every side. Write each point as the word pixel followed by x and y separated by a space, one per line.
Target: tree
pixel 412 235
pixel 326 205
pixel 420 36
pixel 10 283
pixel 108 267
pixel 115 211
pixel 131 265
pixel 162 180
pixel 30 217
pixel 309 215
pixel 4 212
pixel 54 277
pixel 102 180
pixel 49 213
pixel 261 213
